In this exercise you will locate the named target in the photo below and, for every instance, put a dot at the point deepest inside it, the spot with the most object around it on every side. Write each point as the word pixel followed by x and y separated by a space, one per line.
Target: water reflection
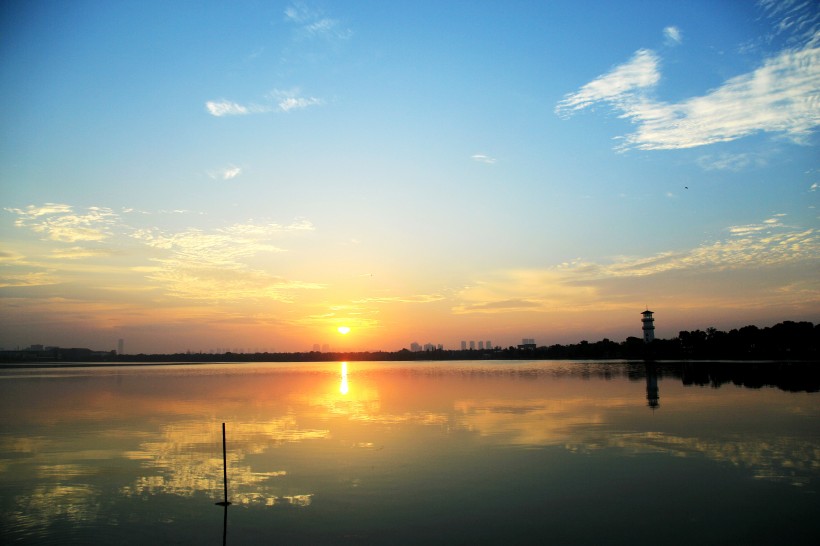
pixel 88 448
pixel 185 461
pixel 652 391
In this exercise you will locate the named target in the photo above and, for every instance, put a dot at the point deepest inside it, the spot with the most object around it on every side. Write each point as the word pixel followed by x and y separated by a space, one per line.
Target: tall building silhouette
pixel 120 346
pixel 648 326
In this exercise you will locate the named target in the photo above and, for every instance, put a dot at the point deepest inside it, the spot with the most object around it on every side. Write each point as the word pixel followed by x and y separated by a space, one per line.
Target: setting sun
pixel 343 329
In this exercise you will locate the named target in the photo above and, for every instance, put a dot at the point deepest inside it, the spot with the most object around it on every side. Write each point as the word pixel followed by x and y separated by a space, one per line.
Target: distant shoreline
pixel 146 363
pixel 784 342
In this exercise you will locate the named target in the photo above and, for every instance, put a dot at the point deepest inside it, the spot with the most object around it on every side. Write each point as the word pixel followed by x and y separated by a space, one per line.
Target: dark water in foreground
pixel 407 453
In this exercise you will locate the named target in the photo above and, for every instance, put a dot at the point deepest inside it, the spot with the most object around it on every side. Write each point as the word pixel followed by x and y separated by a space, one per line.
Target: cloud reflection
pixel 585 426
pixel 184 461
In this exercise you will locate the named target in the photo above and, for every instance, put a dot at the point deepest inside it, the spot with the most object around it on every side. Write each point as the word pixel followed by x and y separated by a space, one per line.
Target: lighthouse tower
pixel 648 326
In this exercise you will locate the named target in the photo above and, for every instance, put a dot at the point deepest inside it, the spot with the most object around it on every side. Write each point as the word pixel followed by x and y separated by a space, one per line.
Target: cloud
pixel 231 172
pixel 226 108
pixel 672 36
pixel 228 173
pixel 619 86
pixel 299 12
pixel 31 278
pixel 730 162
pixel 481 158
pixel 796 19
pixel 581 285
pixel 276 101
pixel 213 265
pixel 78 252
pixel 781 96
pixel 502 305
pixel 287 100
pixel 206 265
pixel 58 222
pixel 814 187
pixel 43 210
pixel 313 22
pixel 420 298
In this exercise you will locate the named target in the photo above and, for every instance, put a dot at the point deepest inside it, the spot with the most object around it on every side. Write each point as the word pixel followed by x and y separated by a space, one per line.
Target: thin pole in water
pixel 224 469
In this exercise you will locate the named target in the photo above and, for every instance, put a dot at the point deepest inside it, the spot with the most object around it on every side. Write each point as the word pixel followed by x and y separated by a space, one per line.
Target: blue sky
pixel 255 174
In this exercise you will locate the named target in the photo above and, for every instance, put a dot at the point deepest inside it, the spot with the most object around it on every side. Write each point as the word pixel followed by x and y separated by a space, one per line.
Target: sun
pixel 343 330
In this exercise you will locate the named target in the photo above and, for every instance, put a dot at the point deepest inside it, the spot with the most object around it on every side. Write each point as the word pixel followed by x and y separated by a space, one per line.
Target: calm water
pixel 450 453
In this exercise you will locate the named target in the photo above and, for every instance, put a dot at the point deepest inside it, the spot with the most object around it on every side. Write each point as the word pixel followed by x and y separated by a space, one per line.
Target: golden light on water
pixel 343 385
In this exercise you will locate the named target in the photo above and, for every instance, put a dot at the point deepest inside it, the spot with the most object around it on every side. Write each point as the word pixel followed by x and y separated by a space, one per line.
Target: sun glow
pixel 343 329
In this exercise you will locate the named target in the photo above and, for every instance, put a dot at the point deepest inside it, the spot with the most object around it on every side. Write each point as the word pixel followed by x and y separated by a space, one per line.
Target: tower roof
pixel 647 312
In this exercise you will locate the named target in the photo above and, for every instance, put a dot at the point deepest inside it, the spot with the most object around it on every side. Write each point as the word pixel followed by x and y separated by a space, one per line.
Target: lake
pixel 499 452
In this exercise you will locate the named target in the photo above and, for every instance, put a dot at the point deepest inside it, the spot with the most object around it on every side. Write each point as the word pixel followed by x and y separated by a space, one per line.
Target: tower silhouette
pixel 648 326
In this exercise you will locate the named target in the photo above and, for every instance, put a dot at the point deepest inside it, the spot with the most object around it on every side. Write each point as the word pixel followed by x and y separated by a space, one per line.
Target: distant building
pixel 648 326
pixel 415 347
pixel 120 346
pixel 463 345
pixel 472 345
pixel 488 345
pixel 480 345
pixel 527 343
pixel 316 348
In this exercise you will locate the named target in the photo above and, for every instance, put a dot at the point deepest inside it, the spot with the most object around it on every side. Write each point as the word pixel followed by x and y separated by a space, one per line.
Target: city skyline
pixel 362 174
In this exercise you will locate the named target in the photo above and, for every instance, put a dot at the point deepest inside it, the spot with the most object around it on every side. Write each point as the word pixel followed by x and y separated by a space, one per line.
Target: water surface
pixel 455 452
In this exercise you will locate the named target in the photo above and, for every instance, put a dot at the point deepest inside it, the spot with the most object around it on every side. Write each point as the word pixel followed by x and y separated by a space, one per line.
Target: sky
pixel 253 175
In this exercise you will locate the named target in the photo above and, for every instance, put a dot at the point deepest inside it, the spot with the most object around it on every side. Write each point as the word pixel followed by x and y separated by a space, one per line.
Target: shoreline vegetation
pixel 784 342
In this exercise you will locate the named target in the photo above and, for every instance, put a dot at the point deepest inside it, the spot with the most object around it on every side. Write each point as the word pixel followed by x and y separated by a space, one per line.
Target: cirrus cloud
pixel 577 285
pixel 780 96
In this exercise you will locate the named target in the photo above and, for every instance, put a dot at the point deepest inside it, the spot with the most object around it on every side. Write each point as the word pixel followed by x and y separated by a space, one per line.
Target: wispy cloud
pixel 78 252
pixel 287 100
pixel 201 264
pixel 582 284
pixel 17 271
pixel 23 279
pixel 231 172
pixel 798 20
pixel 228 173
pixel 672 36
pixel 312 21
pixel 222 108
pixel 730 162
pixel 620 86
pixel 59 222
pixel 482 158
pixel 780 96
pixel 419 298
pixel 213 265
pixel 275 101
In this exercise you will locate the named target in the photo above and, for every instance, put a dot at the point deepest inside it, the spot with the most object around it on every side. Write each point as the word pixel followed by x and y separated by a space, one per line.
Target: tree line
pixel 787 340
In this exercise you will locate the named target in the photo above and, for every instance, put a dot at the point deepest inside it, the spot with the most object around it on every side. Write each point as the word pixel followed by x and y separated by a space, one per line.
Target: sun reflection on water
pixel 301 438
